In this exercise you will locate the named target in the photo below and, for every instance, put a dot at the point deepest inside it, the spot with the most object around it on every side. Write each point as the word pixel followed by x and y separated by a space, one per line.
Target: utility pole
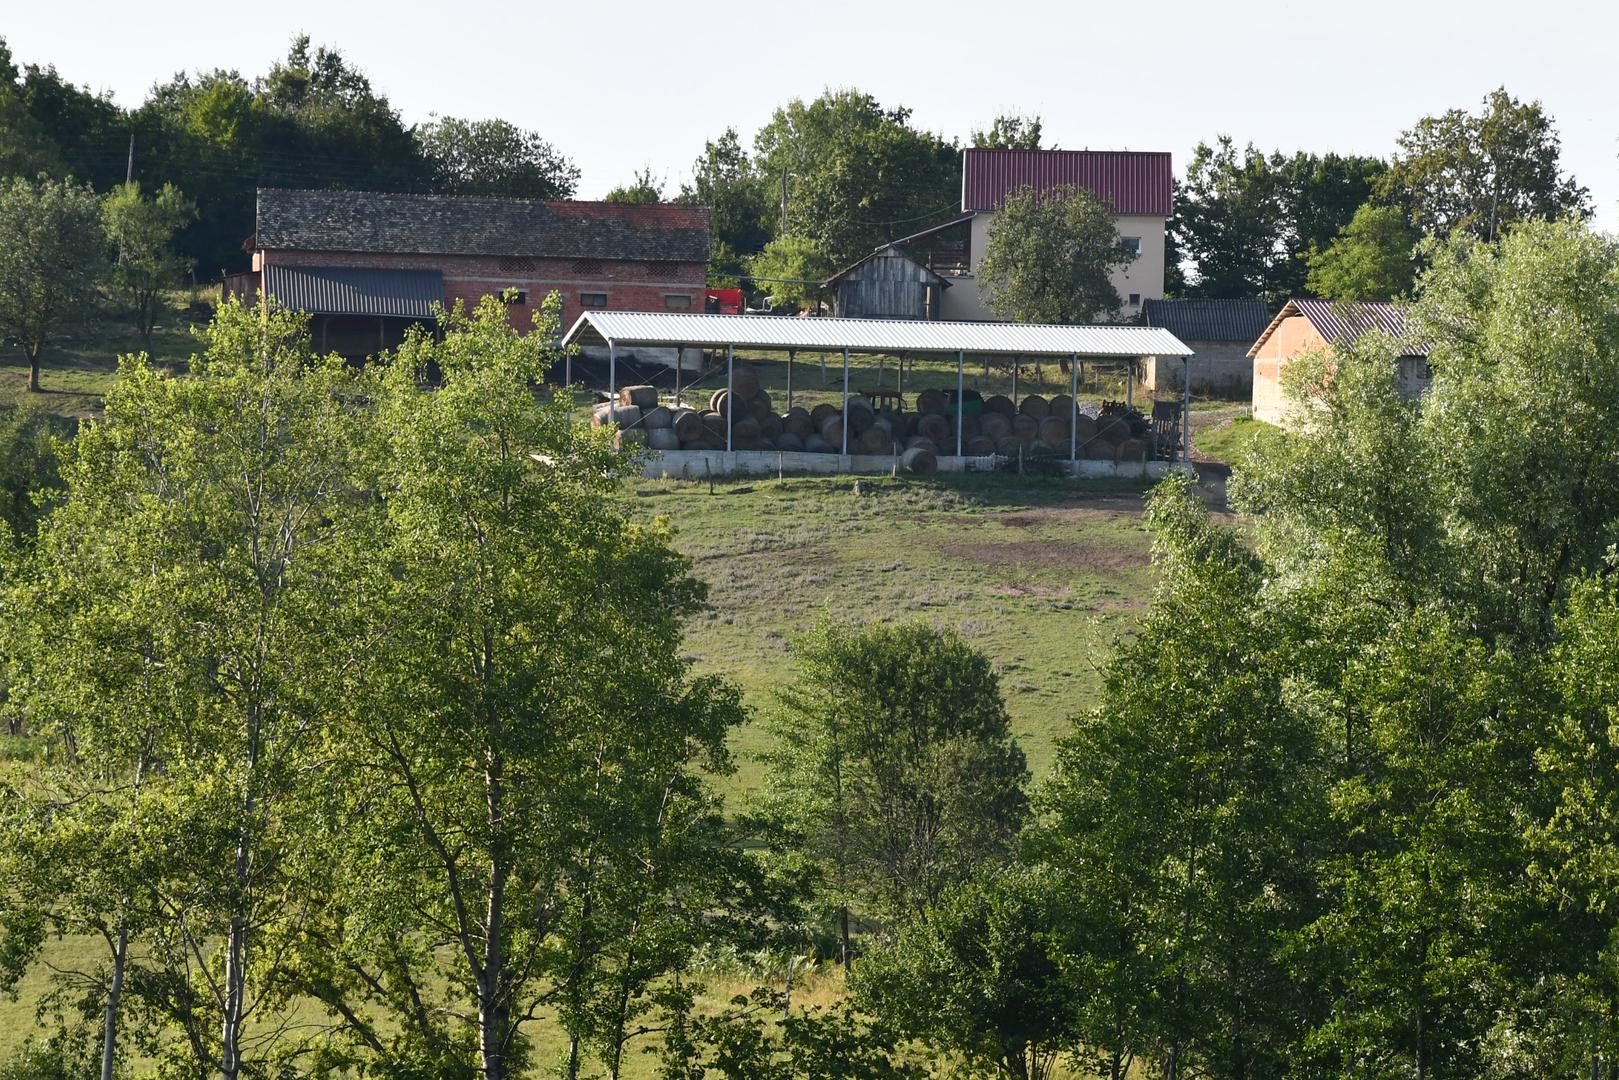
pixel 129 169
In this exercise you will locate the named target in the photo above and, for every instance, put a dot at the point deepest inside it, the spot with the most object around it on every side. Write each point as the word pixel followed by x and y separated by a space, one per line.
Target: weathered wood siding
pixel 889 286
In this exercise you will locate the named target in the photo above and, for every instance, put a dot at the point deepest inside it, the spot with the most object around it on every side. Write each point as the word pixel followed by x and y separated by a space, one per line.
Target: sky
pixel 621 86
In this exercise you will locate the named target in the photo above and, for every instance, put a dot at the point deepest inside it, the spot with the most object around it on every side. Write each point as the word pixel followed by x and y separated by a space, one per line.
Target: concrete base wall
pixel 697 464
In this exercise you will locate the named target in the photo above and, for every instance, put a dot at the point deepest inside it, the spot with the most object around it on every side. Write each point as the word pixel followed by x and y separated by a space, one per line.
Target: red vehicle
pixel 723 301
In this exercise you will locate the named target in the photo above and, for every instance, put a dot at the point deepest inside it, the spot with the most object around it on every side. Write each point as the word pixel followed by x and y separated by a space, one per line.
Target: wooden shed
pixel 887 284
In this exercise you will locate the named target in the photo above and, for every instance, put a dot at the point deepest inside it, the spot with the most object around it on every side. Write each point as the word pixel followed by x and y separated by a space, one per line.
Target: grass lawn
pixel 1231 441
pixel 1041 574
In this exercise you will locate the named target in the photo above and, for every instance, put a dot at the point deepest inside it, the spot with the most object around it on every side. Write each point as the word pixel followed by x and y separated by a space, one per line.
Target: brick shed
pixel 1305 325
pixel 367 264
pixel 1220 332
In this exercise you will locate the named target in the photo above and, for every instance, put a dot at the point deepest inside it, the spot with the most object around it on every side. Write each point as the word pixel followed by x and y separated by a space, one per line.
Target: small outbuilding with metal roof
pixel 1220 331
pixel 1305 325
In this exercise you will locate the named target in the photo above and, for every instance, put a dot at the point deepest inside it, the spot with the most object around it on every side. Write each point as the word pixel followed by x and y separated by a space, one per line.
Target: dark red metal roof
pixel 1131 181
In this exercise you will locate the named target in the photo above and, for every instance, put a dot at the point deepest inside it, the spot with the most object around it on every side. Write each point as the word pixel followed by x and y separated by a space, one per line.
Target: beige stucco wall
pixel 1293 337
pixel 1144 277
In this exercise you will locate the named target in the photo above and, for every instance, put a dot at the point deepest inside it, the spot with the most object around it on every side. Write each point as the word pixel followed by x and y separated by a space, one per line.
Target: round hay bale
pixel 642 397
pixel 715 423
pixel 789 442
pixel 687 423
pixel 1009 446
pixel 970 425
pixel 601 416
pixel 1054 432
pixel 657 417
pixel 769 426
pixel 1000 403
pixel 922 441
pixel 1025 428
pixel 918 460
pixel 817 445
pixel 662 438
pixel 932 402
pixel 718 401
pixel 874 440
pixel 832 431
pixel 980 446
pixel 861 415
pixel 1099 450
pixel 903 424
pixel 1062 405
pixel 759 406
pixel 819 414
pixel 745 433
pixel 630 437
pixel 885 425
pixel 1132 450
pixel 1084 428
pixel 1112 429
pixel 995 426
pixel 745 381
pixel 626 416
pixel 797 421
pixel 935 427
pixel 1036 406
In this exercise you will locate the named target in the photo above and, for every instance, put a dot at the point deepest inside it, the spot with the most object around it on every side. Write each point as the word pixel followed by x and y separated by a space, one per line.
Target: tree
pixel 892 770
pixel 1482 172
pixel 28 466
pixel 852 174
pixel 524 782
pixel 1373 258
pixel 143 231
pixel 495 157
pixel 190 616
pixel 646 188
pixel 738 200
pixel 1049 257
pixel 1010 131
pixel 52 255
pixel 987 976
pixel 1245 220
pixel 790 269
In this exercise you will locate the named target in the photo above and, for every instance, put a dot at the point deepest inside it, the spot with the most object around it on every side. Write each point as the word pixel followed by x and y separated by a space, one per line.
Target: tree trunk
pixel 33 370
pixel 492 1012
pixel 109 1023
pixel 843 931
pixel 230 1058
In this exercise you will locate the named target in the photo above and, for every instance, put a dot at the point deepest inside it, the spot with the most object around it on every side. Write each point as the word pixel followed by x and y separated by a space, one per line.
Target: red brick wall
pixel 630 286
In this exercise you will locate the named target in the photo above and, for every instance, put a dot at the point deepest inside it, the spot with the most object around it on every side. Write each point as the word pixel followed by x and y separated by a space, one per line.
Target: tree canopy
pixel 1050 255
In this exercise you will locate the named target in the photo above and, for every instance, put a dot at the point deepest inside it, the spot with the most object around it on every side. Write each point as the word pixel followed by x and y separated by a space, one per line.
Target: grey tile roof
pixel 349 290
pixel 1209 320
pixel 1340 322
pixel 381 222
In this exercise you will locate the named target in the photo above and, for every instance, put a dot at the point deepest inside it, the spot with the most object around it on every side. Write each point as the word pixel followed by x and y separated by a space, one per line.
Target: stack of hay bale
pixel 1036 426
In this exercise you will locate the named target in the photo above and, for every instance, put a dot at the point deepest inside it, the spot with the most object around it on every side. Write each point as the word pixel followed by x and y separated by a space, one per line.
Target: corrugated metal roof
pixel 1340 322
pixel 375 221
pixel 1208 320
pixel 356 290
pixel 662 328
pixel 1130 181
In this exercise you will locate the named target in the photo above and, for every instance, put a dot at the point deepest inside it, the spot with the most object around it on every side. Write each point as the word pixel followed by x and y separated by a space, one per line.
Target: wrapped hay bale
pixel 1099 450
pixel 1036 406
pixel 769 426
pixel 1010 446
pixel 715 423
pixel 994 426
pixel 874 440
pixel 1062 405
pixel 657 417
pixel 932 402
pixel 832 430
pixel 1001 404
pixel 687 423
pixel 662 438
pixel 923 442
pixel 630 437
pixel 759 406
pixel 919 461
pixel 642 397
pixel 817 445
pixel 797 421
pixel 745 381
pixel 788 441
pixel 936 428
pixel 1084 429
pixel 980 446
pixel 861 415
pixel 719 401
pixel 1025 428
pixel 1054 433
pixel 819 414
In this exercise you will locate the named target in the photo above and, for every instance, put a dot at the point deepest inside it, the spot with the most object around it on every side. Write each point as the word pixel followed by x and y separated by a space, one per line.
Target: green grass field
pixel 1231 441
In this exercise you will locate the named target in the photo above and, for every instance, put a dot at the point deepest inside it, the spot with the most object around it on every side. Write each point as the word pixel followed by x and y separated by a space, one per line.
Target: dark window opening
pixel 588 267
pixel 677 301
pixel 663 269
pixel 593 299
pixel 1135 299
pixel 514 296
pixel 517 264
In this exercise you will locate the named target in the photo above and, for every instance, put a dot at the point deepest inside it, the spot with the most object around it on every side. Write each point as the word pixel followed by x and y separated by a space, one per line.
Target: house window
pixel 1135 299
pixel 677 301
pixel 592 299
pixel 1133 243
pixel 514 296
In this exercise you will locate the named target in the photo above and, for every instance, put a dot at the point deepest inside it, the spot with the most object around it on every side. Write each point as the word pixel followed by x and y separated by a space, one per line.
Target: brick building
pixel 368 264
pixel 1305 326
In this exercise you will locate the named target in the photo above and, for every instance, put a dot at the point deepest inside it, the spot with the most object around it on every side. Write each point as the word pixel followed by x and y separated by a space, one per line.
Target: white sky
pixel 620 85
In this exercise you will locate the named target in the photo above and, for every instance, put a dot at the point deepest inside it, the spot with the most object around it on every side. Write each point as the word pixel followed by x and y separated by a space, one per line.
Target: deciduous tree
pixel 52 256
pixel 1372 258
pixel 1049 256
pixel 494 157
pixel 142 232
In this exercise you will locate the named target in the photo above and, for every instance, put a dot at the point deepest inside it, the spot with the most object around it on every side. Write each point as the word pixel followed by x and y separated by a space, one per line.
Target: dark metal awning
pixel 356 290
